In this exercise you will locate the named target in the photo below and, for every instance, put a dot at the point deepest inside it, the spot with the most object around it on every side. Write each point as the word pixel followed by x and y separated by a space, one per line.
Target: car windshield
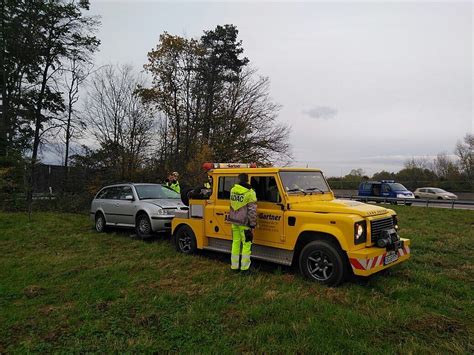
pixel 439 191
pixel 397 187
pixel 304 181
pixel 146 192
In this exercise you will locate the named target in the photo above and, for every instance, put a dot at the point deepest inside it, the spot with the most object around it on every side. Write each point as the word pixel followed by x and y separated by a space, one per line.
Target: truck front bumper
pixel 368 261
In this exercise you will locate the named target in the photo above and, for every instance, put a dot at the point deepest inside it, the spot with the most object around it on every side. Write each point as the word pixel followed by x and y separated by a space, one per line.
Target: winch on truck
pixel 299 221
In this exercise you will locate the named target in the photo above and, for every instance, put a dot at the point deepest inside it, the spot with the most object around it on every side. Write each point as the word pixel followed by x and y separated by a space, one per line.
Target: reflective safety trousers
pixel 238 239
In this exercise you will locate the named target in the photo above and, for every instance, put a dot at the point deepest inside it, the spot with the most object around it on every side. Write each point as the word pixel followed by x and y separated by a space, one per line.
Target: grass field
pixel 64 287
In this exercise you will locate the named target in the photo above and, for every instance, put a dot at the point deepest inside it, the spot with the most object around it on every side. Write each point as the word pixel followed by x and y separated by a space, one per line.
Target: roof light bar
pixel 209 166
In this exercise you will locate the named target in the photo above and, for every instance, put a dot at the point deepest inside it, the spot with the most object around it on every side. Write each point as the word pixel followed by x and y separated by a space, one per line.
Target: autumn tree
pixel 207 94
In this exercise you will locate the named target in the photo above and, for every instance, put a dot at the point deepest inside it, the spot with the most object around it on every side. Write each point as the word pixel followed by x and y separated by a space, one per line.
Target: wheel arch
pixel 101 211
pixel 140 212
pixel 308 236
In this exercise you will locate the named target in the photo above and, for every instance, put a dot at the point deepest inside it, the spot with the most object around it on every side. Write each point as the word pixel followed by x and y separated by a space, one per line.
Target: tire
pixel 323 262
pixel 100 223
pixel 185 193
pixel 417 196
pixel 185 240
pixel 408 204
pixel 440 198
pixel 143 226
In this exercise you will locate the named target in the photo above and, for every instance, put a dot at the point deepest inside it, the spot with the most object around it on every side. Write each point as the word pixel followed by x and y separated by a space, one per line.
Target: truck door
pixel 270 216
pixel 218 226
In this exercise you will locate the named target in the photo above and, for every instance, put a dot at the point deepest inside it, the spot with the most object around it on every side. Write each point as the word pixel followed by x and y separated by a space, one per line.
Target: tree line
pixel 455 173
pixel 198 99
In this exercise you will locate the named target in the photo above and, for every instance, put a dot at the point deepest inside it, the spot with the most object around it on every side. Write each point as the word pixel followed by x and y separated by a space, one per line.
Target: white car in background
pixel 434 193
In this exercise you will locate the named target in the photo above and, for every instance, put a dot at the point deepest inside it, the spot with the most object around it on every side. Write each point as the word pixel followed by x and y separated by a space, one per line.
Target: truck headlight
pixel 360 232
pixel 395 222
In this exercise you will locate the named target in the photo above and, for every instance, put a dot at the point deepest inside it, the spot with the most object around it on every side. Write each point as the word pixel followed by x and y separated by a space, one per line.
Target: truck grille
pixel 378 225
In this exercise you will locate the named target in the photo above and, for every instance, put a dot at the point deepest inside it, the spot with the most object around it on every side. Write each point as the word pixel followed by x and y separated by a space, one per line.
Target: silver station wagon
pixel 148 208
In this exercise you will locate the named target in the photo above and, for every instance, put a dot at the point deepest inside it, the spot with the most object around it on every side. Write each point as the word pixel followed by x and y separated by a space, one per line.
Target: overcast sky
pixel 363 84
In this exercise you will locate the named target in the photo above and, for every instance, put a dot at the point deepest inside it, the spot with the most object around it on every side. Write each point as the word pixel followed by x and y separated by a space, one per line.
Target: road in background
pixel 468 198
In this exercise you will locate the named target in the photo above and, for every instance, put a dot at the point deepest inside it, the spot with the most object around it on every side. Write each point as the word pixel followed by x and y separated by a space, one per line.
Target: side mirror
pixel 129 198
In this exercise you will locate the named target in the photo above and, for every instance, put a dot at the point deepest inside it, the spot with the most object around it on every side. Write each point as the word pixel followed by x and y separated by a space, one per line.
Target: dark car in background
pixel 385 189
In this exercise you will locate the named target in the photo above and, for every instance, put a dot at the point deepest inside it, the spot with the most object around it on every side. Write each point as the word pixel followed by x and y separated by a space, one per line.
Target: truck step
pixel 275 255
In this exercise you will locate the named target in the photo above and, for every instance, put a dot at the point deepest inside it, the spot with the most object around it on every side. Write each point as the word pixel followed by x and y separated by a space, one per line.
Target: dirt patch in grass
pixel 437 323
pixel 33 291
pixel 177 286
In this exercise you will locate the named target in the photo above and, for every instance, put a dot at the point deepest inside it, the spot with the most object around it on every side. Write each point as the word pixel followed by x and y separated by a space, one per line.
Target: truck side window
pixel 265 188
pixel 225 184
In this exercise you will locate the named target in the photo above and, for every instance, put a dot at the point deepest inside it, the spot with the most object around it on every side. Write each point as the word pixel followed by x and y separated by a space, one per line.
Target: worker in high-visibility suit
pixel 172 182
pixel 243 216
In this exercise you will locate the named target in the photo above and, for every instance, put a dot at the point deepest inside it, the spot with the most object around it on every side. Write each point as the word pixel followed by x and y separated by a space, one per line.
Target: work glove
pixel 249 235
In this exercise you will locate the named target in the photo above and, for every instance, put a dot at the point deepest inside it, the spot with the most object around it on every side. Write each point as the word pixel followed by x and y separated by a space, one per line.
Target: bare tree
pixel 248 129
pixel 465 152
pixel 118 119
pixel 444 167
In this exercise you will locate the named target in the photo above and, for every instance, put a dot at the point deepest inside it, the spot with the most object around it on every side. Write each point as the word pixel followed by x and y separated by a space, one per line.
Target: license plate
pixel 390 258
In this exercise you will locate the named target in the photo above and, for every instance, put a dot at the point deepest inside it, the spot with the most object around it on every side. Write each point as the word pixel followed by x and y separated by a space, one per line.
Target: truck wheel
pixel 100 224
pixel 323 262
pixel 185 240
pixel 185 194
pixel 143 226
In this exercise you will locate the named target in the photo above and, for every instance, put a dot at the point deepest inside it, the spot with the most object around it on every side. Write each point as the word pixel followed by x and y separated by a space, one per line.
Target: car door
pixel 386 190
pixel 124 209
pixel 270 215
pixel 108 204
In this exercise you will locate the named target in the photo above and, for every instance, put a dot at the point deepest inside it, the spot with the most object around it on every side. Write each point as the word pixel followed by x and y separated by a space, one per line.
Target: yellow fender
pixel 332 230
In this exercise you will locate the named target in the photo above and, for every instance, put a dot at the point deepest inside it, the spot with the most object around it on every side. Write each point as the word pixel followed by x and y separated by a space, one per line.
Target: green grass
pixel 64 287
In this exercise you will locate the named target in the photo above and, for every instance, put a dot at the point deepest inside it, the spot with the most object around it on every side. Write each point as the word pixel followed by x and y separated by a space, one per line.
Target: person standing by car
pixel 172 182
pixel 243 216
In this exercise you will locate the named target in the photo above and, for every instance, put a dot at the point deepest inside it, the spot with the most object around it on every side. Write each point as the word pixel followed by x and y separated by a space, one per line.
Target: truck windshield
pixel 147 192
pixel 397 187
pixel 304 181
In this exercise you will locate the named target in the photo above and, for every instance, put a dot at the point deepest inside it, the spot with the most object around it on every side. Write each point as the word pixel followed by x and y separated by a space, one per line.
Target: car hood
pixel 339 206
pixel 165 202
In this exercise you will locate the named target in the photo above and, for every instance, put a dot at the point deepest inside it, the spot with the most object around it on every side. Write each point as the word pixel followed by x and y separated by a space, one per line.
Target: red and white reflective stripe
pixel 371 263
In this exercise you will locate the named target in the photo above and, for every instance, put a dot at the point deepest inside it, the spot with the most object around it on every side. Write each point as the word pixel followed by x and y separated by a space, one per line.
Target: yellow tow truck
pixel 299 221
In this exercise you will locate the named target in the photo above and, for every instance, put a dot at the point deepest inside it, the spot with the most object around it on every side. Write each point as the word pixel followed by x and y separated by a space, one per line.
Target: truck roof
pixel 259 170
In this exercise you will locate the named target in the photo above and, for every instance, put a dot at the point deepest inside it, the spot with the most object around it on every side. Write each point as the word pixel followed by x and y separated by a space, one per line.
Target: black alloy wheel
pixel 185 240
pixel 323 262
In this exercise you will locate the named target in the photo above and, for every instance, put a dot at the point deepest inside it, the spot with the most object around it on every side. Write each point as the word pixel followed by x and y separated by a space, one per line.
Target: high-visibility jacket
pixel 243 206
pixel 174 186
